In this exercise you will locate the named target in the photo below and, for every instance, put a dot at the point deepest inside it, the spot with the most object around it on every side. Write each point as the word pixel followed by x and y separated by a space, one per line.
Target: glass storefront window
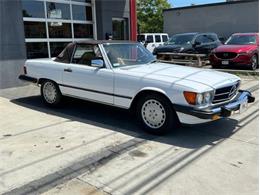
pixel 59 30
pixel 37 50
pixel 81 12
pixel 58 11
pixel 35 29
pixel 83 30
pixel 51 21
pixel 57 48
pixel 33 9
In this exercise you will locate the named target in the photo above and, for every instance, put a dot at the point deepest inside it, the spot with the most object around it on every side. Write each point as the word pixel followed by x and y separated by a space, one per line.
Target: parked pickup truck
pixel 126 75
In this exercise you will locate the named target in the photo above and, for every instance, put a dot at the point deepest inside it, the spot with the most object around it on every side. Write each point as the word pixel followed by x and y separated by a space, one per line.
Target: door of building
pixel 120 29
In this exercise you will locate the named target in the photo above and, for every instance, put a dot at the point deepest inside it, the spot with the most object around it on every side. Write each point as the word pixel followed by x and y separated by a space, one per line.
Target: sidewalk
pixel 85 148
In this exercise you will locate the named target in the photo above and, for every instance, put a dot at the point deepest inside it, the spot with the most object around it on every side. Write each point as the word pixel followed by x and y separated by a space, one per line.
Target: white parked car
pixel 126 75
pixel 152 40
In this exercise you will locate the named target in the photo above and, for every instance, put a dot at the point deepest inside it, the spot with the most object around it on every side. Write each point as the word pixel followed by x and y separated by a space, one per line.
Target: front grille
pixel 225 93
pixel 226 55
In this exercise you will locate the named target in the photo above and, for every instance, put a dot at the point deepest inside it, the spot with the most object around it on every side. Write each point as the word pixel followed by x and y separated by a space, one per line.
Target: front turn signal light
pixel 190 97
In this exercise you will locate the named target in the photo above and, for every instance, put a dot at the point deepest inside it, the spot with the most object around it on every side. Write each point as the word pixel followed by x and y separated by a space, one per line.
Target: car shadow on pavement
pixel 191 137
pixel 123 121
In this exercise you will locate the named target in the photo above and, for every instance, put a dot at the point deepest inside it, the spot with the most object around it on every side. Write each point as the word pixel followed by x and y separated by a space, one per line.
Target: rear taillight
pixel 24 69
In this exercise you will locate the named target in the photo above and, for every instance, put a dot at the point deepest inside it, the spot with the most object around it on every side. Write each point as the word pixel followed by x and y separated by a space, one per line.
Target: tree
pixel 149 14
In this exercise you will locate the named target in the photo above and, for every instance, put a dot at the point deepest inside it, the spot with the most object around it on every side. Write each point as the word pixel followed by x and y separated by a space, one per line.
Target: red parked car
pixel 240 50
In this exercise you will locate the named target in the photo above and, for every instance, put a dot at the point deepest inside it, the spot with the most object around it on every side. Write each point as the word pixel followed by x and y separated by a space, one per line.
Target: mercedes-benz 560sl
pixel 127 75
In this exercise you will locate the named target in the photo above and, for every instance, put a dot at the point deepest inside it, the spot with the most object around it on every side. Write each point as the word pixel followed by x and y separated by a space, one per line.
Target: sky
pixel 182 3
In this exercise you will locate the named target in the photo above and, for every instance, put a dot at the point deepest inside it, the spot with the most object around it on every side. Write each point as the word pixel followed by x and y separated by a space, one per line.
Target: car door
pixel 82 80
pixel 203 44
pixel 214 41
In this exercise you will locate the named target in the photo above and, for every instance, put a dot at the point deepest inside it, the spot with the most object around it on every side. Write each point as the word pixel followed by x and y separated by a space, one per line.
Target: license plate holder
pixel 225 62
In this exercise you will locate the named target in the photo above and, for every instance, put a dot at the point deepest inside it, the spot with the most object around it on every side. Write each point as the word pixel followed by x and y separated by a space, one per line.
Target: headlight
pixel 198 98
pixel 243 53
pixel 246 52
pixel 213 51
pixel 181 49
pixel 207 97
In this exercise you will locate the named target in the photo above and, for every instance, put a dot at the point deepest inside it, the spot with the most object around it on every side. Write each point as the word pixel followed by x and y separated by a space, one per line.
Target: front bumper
pixel 215 112
pixel 240 60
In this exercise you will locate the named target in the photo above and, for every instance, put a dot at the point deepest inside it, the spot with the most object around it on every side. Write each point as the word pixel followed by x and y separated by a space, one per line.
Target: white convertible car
pixel 126 75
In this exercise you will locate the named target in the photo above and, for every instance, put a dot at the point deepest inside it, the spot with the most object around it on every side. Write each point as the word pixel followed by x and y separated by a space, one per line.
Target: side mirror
pixel 196 43
pixel 98 63
pixel 222 40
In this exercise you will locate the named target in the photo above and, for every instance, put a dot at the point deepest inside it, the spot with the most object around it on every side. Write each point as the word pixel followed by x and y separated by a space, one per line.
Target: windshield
pixel 241 40
pixel 181 39
pixel 128 54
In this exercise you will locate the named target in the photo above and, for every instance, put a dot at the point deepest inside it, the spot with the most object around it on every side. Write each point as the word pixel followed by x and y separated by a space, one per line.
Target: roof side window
pixel 149 39
pixel 157 38
pixel 203 39
pixel 140 38
pixel 85 53
pixel 212 37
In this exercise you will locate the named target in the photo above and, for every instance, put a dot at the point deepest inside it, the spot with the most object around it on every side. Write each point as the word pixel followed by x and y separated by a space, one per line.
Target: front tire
pixel 254 62
pixel 50 93
pixel 156 114
pixel 214 67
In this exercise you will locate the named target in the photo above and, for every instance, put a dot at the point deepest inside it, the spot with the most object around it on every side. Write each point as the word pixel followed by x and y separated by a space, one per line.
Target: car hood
pixel 235 48
pixel 173 48
pixel 181 75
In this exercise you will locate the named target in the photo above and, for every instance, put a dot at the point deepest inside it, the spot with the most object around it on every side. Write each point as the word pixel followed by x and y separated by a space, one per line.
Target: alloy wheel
pixel 49 92
pixel 153 114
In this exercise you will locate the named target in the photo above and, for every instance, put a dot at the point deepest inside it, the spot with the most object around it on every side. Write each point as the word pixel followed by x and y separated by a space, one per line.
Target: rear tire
pixel 50 93
pixel 156 114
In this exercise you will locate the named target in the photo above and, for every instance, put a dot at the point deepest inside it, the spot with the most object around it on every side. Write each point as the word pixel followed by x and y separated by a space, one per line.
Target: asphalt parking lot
pixel 86 148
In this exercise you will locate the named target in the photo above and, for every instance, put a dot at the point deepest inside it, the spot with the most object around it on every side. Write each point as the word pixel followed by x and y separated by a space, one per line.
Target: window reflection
pixel 58 11
pixel 83 30
pixel 82 12
pixel 35 29
pixel 37 50
pixel 57 48
pixel 59 30
pixel 34 9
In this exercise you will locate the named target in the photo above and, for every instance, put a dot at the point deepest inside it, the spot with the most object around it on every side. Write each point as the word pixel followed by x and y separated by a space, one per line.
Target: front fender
pixel 148 90
pixel 155 89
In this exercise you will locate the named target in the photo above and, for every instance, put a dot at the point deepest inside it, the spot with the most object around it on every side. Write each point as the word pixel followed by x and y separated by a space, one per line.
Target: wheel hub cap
pixel 49 92
pixel 153 114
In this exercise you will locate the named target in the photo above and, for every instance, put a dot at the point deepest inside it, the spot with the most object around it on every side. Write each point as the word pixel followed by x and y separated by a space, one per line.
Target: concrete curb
pixel 232 71
pixel 240 72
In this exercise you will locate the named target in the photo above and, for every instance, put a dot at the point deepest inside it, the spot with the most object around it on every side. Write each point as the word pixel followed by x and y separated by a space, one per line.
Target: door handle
pixel 67 70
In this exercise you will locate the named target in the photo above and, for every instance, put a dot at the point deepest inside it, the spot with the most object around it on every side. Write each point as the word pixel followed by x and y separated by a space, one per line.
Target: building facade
pixel 222 18
pixel 41 28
